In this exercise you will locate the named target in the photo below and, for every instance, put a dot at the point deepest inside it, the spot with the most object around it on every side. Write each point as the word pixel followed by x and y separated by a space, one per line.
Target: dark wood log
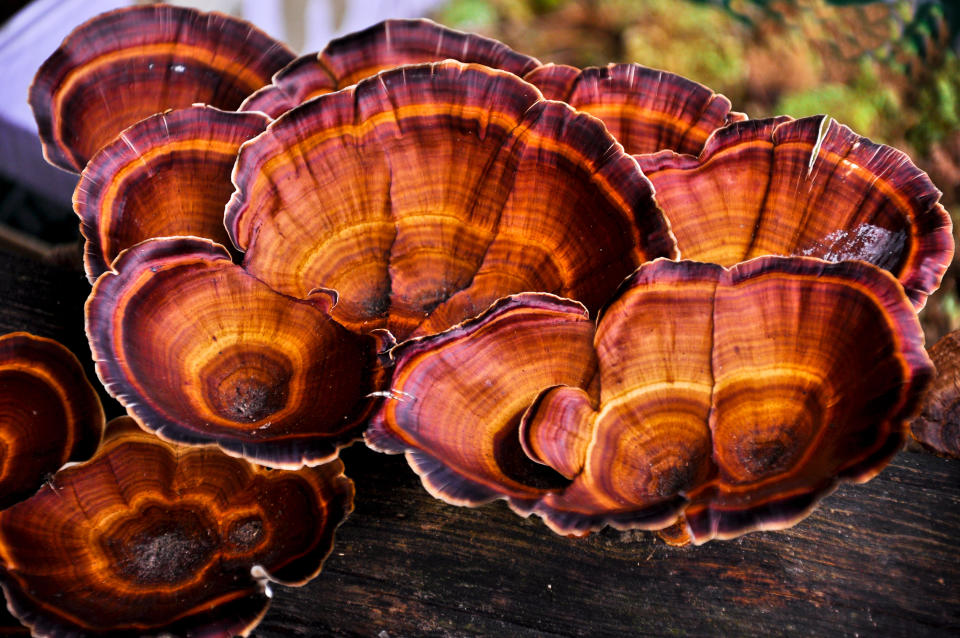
pixel 880 559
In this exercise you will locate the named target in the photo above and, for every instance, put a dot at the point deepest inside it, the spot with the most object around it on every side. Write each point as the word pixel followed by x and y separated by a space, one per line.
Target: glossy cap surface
pixel 154 538
pixel 131 63
pixel 426 193
pixel 201 352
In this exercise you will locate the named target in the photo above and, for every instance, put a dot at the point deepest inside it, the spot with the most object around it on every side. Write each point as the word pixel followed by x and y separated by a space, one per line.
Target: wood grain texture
pixel 879 559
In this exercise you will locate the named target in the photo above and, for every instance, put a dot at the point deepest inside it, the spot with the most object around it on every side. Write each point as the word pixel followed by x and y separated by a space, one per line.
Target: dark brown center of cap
pixel 161 546
pixel 247 384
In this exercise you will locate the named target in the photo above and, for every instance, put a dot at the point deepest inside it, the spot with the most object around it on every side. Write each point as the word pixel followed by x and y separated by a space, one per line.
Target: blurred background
pixel 889 69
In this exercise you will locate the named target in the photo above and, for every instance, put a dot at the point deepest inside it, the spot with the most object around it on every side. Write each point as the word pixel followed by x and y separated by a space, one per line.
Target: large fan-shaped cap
pixel 49 413
pixel 937 426
pixel 805 187
pixel 646 109
pixel 385 45
pixel 428 192
pixel 151 538
pixel 748 392
pixel 199 351
pixel 128 64
pixel 456 398
pixel 168 174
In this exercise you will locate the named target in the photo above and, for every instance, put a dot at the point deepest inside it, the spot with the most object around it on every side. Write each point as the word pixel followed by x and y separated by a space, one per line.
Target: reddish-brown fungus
pixel 805 187
pixel 128 64
pixel 646 109
pixel 385 45
pixel 428 192
pixel 167 175
pixel 199 351
pixel 456 398
pixel 49 413
pixel 154 538
pixel 779 377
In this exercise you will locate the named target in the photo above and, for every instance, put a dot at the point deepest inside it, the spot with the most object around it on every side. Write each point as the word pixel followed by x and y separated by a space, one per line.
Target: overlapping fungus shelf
pixel 937 426
pixel 167 175
pixel 49 413
pixel 128 64
pixel 153 538
pixel 385 45
pixel 199 351
pixel 805 187
pixel 457 398
pixel 736 398
pixel 426 193
pixel 646 109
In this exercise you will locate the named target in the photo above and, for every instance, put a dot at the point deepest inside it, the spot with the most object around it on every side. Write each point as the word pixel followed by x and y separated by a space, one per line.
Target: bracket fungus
pixel 937 426
pixel 646 110
pixel 199 351
pixel 428 192
pixel 49 413
pixel 809 187
pixel 736 398
pixel 385 45
pixel 168 174
pixel 149 537
pixel 131 63
pixel 456 398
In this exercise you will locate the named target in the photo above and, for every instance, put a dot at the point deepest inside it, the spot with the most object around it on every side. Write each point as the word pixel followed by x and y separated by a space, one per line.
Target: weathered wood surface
pixel 880 559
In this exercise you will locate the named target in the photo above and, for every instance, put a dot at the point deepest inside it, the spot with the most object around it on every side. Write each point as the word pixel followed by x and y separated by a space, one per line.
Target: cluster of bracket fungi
pixel 599 294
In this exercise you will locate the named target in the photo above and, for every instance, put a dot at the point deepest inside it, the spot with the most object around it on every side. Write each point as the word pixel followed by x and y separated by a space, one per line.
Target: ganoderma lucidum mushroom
pixel 168 174
pixel 428 192
pixel 937 426
pixel 735 397
pixel 154 538
pixel 807 187
pixel 199 351
pixel 49 413
pixel 647 110
pixel 385 45
pixel 128 64
pixel 456 398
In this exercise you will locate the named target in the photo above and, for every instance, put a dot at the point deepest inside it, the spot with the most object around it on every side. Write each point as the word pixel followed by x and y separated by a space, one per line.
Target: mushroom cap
pixel 456 398
pixel 807 187
pixel 125 65
pixel 646 109
pixel 168 174
pixel 937 426
pixel 385 45
pixel 199 351
pixel 149 537
pixel 777 378
pixel 426 193
pixel 49 413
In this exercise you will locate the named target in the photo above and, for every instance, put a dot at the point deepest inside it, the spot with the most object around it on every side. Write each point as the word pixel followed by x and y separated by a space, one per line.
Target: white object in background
pixel 31 35
pixel 26 40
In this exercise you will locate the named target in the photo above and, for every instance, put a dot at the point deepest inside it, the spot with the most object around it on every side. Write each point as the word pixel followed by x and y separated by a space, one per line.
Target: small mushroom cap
pixel 774 380
pixel 937 426
pixel 646 109
pixel 426 193
pixel 807 187
pixel 167 175
pixel 125 65
pixel 149 537
pixel 199 351
pixel 385 45
pixel 49 413
pixel 456 398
